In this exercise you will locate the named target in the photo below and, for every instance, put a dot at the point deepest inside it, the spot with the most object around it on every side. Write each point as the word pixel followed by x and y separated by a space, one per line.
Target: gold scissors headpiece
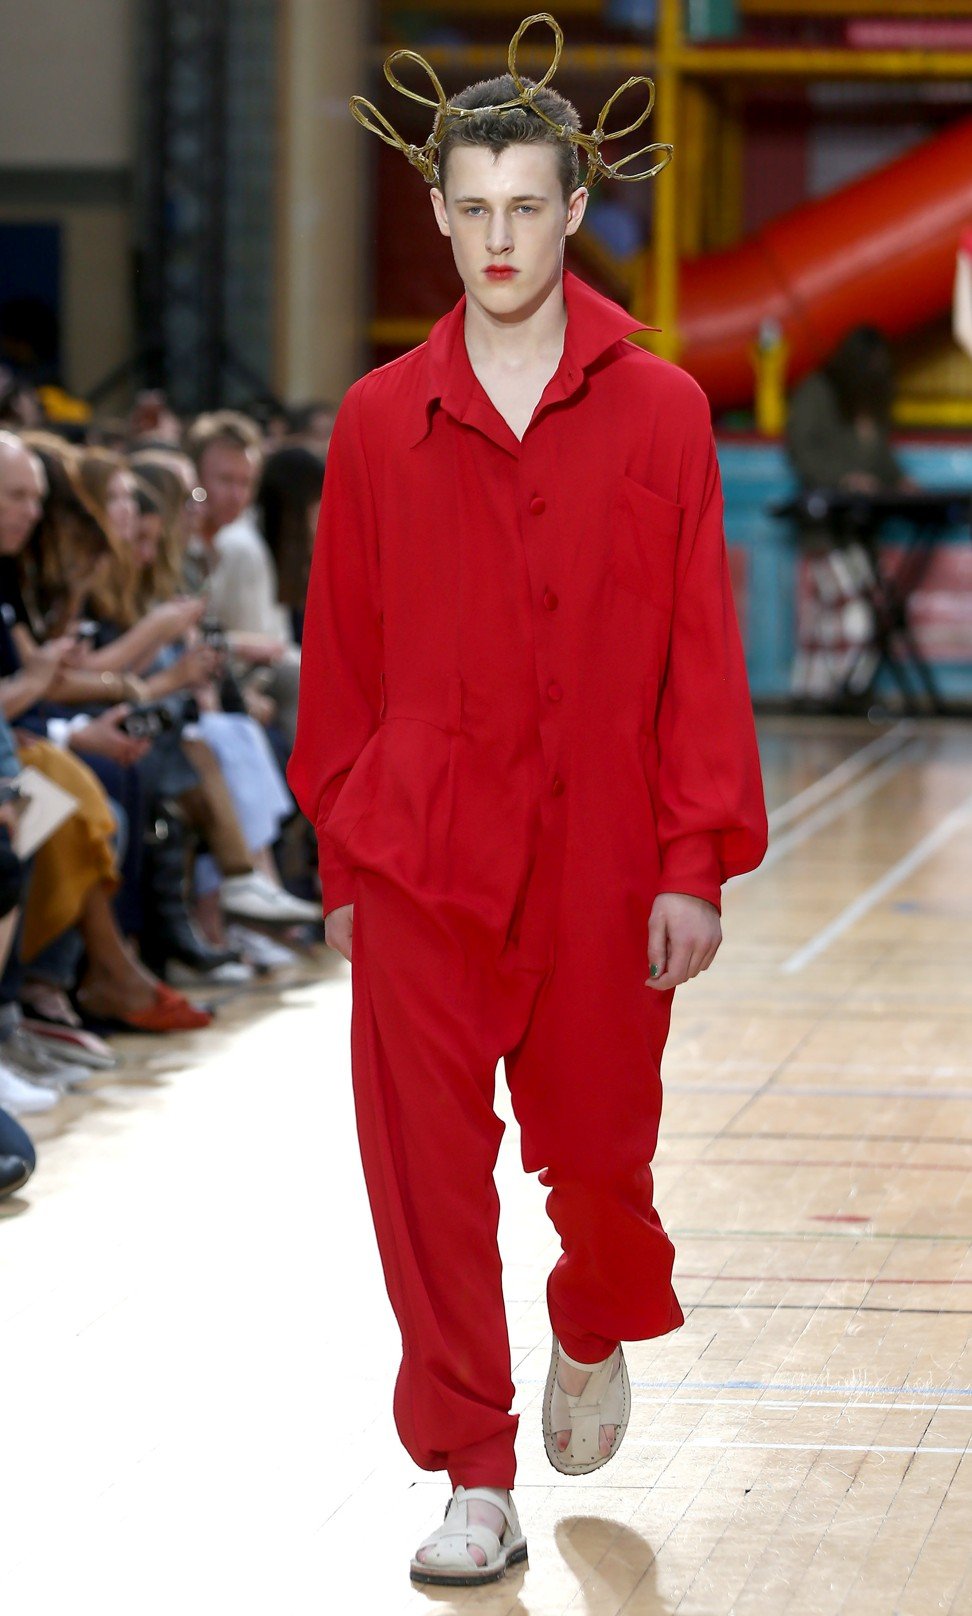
pixel 425 158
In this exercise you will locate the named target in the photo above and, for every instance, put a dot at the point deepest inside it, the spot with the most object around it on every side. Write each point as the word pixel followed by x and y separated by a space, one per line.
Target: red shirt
pixel 512 646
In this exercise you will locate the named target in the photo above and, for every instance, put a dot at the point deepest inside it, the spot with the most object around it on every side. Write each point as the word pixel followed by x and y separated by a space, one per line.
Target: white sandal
pixel 605 1400
pixel 451 1562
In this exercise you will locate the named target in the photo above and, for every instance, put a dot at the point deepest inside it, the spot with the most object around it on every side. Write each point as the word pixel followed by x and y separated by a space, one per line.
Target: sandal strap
pixel 451 1540
pixel 452 1545
pixel 600 1403
pixel 575 1363
pixel 497 1496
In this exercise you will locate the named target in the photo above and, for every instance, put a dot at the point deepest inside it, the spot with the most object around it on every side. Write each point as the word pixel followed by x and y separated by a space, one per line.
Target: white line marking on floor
pixel 839 776
pixel 929 845
pixel 784 1090
pixel 841 803
pixel 926 1069
pixel 759 1403
pixel 802 1447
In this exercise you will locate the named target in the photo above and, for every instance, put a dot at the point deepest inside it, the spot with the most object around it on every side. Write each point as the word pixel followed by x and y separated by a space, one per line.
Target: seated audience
pixel 144 588
pixel 75 873
pixel 250 890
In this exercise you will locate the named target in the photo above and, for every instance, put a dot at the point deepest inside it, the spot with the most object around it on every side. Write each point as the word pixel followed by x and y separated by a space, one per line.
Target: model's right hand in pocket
pixel 338 926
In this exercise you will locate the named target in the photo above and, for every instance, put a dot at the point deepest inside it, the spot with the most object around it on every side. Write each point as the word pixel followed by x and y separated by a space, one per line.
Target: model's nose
pixel 498 238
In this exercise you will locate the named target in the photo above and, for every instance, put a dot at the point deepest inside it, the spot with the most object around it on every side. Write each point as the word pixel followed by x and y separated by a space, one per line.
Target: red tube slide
pixel 880 250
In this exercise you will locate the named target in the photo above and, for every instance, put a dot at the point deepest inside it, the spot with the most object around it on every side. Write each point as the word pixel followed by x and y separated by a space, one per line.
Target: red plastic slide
pixel 881 250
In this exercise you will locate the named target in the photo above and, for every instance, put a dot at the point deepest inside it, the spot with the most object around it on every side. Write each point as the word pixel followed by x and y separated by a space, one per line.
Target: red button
pixel 550 600
pixel 537 506
pixel 556 786
pixel 554 690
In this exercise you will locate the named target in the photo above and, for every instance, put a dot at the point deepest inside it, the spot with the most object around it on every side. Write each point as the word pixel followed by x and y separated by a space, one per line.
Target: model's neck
pixel 536 333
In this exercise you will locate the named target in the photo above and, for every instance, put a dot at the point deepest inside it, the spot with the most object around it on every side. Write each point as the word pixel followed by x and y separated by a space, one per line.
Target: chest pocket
pixel 644 536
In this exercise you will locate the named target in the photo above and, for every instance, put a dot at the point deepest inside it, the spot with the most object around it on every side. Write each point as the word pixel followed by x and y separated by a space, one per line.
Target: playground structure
pixel 749 315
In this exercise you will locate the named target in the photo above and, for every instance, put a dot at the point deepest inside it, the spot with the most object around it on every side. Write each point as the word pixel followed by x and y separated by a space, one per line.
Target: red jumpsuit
pixel 523 713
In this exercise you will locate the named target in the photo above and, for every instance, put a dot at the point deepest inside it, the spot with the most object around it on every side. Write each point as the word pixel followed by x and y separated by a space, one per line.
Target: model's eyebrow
pixel 512 199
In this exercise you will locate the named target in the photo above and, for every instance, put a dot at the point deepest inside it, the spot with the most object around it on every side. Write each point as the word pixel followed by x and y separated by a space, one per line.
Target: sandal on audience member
pixel 450 1562
pixel 44 1002
pixel 168 1012
pixel 605 1400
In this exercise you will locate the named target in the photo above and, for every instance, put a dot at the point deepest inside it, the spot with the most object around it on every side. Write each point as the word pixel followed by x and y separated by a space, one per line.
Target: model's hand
pixel 684 934
pixel 337 929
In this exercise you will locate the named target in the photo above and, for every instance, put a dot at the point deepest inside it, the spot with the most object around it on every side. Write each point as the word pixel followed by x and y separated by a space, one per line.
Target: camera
pixel 148 722
pixel 213 633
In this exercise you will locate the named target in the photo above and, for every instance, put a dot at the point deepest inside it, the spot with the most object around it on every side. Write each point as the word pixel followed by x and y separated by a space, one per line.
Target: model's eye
pixel 526 208
pixel 470 211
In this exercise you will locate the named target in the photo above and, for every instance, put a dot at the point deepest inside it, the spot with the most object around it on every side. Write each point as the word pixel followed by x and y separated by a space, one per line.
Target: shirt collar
pixel 594 324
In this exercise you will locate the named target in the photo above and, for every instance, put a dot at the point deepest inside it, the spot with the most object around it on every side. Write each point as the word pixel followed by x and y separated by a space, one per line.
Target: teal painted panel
pixel 757 475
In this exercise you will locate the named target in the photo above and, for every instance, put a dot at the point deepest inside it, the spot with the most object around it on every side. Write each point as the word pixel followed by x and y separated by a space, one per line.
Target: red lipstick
pixel 501 272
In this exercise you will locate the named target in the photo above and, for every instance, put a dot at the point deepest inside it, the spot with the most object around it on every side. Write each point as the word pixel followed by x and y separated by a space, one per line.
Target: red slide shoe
pixel 169 1012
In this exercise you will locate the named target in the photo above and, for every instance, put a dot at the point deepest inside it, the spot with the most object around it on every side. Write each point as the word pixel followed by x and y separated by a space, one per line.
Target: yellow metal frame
pixel 698 202
pixel 683 72
pixel 934 412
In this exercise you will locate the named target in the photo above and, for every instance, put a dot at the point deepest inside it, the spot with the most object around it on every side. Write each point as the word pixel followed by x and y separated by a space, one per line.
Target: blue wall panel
pixel 757 475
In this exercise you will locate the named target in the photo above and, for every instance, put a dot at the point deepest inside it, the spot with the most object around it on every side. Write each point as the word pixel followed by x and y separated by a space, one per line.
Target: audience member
pixel 311 426
pixel 242 585
pixel 838 436
pixel 288 500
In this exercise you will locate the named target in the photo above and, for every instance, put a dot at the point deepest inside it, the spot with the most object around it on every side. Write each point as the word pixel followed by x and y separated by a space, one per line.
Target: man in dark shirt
pixel 838 435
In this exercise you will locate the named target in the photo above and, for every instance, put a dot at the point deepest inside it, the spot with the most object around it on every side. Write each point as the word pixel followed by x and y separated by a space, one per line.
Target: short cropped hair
pixel 517 126
pixel 231 427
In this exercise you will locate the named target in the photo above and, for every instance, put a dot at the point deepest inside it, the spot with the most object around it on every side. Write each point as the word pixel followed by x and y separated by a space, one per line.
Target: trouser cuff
pixel 485 1464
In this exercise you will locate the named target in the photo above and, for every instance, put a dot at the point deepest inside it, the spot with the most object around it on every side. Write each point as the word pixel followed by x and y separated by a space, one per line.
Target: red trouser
pixel 435 1005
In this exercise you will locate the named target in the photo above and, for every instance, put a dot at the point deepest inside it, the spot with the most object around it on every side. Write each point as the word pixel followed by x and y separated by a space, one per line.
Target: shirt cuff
pixel 690 864
pixel 337 877
pixel 60 730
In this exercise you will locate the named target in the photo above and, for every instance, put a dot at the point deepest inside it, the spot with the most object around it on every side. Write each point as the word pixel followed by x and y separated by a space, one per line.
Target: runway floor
pixel 198 1355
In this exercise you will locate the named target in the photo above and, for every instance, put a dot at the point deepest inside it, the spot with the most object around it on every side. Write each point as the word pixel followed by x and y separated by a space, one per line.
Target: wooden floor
pixel 197 1355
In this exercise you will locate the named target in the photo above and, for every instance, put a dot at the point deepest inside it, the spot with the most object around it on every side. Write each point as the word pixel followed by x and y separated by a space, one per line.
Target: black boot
pixel 170 932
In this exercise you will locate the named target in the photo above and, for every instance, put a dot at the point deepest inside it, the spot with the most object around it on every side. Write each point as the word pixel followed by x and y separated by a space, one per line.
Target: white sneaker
pixel 21 1098
pixel 262 952
pixel 75 1046
pixel 235 973
pixel 256 897
pixel 27 1057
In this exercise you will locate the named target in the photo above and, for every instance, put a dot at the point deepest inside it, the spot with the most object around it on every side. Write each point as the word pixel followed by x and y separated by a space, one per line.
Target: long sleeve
pixel 711 812
pixel 341 657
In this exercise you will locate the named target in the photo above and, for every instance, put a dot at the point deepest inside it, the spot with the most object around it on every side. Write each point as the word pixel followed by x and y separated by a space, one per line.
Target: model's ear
pixel 439 208
pixel 576 208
